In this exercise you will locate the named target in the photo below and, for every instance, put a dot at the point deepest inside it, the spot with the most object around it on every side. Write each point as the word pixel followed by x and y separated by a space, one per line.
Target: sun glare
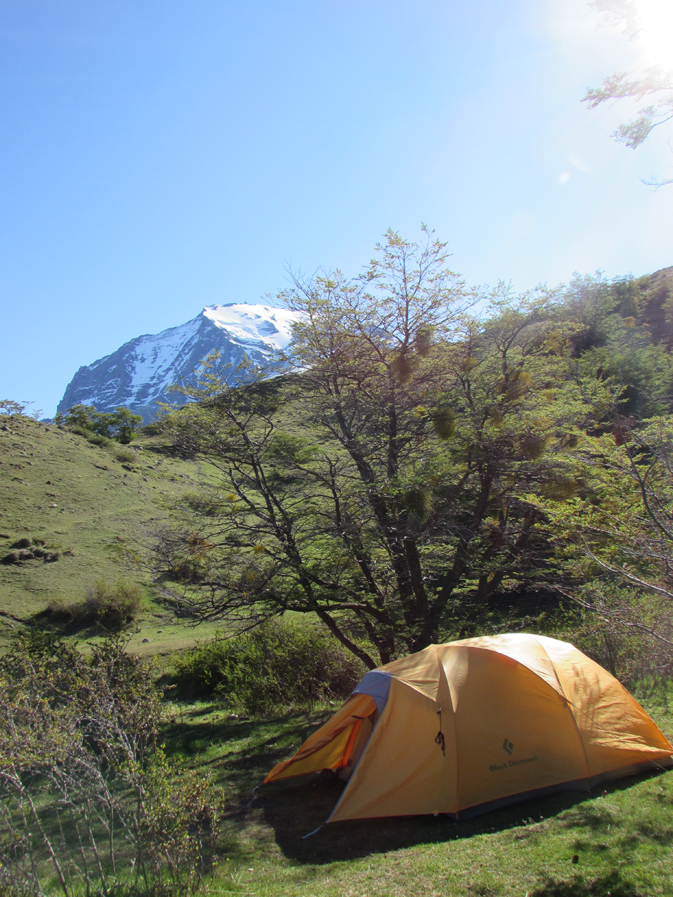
pixel 655 34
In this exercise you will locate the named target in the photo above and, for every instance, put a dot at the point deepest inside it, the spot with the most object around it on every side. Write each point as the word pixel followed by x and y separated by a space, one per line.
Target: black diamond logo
pixel 507 746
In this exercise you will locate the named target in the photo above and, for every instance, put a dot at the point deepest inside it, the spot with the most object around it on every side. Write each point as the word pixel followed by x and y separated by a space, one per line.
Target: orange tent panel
pixel 330 746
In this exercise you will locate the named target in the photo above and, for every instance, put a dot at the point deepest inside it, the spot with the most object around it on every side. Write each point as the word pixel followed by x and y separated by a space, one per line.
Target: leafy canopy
pixel 383 488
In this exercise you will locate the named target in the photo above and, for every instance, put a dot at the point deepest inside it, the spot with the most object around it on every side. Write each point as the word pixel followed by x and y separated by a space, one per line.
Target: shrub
pixel 87 798
pixel 29 549
pixel 94 438
pixel 90 435
pixel 278 664
pixel 125 455
pixel 99 427
pixel 9 407
pixel 59 611
pixel 631 656
pixel 110 606
pixel 178 829
pixel 208 504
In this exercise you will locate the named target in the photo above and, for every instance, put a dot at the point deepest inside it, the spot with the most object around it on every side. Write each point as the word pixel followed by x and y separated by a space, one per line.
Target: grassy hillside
pixel 90 505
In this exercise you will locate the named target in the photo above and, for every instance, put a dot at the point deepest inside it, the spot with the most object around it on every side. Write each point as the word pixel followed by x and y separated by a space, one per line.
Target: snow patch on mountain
pixel 156 357
pixel 262 324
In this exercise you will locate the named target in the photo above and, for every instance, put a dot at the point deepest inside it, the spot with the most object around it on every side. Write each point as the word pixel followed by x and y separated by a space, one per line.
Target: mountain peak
pixel 140 373
pixel 263 324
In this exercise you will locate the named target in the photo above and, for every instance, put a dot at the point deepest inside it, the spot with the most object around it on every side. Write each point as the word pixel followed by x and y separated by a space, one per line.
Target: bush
pixel 90 435
pixel 278 664
pixel 125 455
pixel 29 548
pixel 208 504
pixel 110 606
pixel 87 797
pixel 100 427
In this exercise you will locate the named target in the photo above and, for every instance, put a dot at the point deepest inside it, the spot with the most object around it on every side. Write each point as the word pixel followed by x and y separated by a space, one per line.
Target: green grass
pixel 98 505
pixel 621 835
pixel 98 509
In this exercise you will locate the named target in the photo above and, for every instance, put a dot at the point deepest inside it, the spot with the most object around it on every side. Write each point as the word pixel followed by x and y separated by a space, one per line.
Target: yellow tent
pixel 475 724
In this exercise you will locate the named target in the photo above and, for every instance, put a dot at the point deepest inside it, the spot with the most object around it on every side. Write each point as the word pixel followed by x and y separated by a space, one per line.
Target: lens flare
pixel 655 31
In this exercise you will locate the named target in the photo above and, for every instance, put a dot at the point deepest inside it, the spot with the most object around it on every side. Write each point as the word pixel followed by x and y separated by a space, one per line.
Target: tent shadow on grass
pixel 295 807
pixel 251 744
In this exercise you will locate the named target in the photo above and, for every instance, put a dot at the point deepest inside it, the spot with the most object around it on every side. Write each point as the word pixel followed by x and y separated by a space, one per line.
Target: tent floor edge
pixel 582 785
pixel 634 769
pixel 586 785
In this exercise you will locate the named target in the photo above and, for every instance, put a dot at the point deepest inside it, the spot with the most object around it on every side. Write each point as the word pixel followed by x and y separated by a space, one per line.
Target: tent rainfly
pixel 472 725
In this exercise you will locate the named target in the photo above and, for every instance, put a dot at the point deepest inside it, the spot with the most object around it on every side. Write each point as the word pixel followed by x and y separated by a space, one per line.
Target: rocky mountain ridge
pixel 140 373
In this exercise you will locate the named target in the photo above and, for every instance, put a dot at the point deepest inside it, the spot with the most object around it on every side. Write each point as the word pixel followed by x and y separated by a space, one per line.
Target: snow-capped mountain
pixel 139 373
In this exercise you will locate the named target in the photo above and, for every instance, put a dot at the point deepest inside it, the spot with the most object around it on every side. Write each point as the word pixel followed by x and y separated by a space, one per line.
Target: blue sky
pixel 158 156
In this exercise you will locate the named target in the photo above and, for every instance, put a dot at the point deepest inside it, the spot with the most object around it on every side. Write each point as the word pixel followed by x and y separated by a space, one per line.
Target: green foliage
pixel 10 407
pixel 655 84
pixel 208 504
pixel 188 556
pixel 111 607
pixel 69 493
pixel 30 548
pixel 384 488
pixel 125 424
pixel 125 455
pixel 88 799
pixel 178 829
pixel 625 652
pixel 620 334
pixel 279 664
pixel 614 532
pixel 444 422
pixel 418 501
pixel 121 424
